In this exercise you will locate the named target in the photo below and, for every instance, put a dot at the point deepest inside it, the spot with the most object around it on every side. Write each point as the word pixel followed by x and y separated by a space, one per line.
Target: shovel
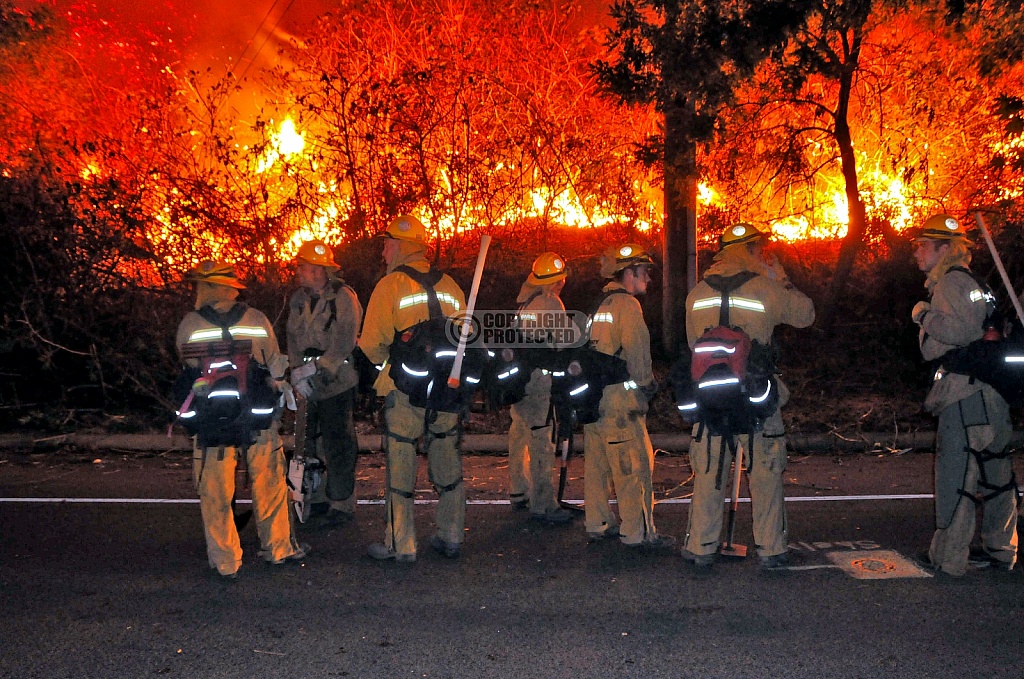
pixel 730 550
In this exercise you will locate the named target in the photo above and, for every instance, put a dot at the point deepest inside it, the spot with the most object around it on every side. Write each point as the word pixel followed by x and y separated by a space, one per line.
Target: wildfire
pixel 286 143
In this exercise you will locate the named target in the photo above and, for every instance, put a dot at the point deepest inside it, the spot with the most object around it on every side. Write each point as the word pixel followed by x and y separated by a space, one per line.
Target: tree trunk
pixel 679 248
pixel 857 228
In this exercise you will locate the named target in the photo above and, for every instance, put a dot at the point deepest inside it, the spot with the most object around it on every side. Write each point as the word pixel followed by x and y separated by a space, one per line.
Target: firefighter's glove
pixel 303 387
pixel 303 372
pixel 649 391
pixel 277 366
pixel 920 309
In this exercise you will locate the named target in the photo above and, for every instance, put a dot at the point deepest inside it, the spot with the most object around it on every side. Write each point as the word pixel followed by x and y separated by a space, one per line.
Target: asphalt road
pixel 122 590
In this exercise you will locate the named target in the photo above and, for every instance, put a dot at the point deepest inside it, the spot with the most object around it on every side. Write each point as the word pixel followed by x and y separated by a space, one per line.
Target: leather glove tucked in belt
pixel 303 372
pixel 303 387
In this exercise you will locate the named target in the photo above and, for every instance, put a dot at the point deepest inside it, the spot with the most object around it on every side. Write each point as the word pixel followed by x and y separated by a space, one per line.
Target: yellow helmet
pixel 619 257
pixel 317 252
pixel 739 233
pixel 406 227
pixel 216 273
pixel 548 268
pixel 940 227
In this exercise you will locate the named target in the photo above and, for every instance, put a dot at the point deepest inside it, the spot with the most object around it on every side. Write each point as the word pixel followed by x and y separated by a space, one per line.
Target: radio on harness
pixel 422 356
pixel 726 382
pixel 228 398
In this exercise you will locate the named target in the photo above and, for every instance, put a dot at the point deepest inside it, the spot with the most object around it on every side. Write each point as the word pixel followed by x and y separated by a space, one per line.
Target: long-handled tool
pixel 730 549
pixel 999 265
pixel 467 325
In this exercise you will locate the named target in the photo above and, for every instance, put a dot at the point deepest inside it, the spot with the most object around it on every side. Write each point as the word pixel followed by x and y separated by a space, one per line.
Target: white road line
pixel 670 501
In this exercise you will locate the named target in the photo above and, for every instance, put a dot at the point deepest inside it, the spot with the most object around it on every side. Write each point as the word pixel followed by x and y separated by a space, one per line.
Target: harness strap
pixel 441 490
pixel 427 281
pixel 721 460
pixel 399 438
pixel 725 285
pixel 225 320
pixel 404 493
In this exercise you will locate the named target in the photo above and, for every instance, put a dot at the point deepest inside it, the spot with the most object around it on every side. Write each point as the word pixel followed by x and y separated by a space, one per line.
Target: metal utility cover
pixel 879 564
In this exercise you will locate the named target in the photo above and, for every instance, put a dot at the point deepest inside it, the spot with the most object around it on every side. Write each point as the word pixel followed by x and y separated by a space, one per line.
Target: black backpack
pixel 423 355
pixel 726 381
pixel 996 362
pixel 238 400
pixel 579 375
pixel 509 370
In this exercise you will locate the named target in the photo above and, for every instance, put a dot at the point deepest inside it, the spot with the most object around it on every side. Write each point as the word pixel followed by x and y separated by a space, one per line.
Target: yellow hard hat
pixel 739 233
pixel 216 273
pixel 940 227
pixel 619 257
pixel 406 227
pixel 548 268
pixel 317 252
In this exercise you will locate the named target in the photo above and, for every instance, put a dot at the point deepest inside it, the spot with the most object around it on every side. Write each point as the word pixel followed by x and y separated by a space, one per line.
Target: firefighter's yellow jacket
pixel 398 303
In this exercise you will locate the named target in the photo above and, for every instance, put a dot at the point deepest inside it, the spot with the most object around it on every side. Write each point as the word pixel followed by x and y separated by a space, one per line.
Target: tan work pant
pixel 214 475
pixel 405 425
pixel 617 454
pixel 531 452
pixel 712 480
pixel 950 546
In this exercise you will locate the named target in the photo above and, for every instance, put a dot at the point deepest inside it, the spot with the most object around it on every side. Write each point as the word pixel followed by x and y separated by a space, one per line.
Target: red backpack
pixel 716 383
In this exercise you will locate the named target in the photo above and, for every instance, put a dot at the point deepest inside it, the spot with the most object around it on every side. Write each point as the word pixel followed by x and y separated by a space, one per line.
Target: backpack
pixel 509 370
pixel 238 400
pixel 726 382
pixel 996 362
pixel 423 355
pixel 579 375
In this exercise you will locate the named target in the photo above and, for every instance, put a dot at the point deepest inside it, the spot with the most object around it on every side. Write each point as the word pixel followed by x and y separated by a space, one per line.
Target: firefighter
pixel 974 420
pixel 397 304
pixel 531 450
pixel 756 307
pixel 324 316
pixel 617 450
pixel 214 467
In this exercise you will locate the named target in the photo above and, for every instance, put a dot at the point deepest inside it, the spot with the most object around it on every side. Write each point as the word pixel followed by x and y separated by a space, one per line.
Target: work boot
pixel 518 502
pixel 597 536
pixel 319 508
pixel 979 559
pixel 702 562
pixel 382 553
pixel 554 516
pixel 335 517
pixel 441 546
pixel 301 552
pixel 656 542
pixel 775 562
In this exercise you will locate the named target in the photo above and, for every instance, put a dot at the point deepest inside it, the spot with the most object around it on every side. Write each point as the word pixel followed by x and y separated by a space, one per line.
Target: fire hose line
pixel 492 443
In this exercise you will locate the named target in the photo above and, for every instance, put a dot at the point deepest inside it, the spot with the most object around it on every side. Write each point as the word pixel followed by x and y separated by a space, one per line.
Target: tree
pixel 686 57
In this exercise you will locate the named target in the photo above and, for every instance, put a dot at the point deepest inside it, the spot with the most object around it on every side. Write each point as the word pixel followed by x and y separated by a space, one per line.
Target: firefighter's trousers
pixel 406 424
pixel 979 423
pixel 332 438
pixel 712 482
pixel 214 475
pixel 531 452
pixel 618 455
